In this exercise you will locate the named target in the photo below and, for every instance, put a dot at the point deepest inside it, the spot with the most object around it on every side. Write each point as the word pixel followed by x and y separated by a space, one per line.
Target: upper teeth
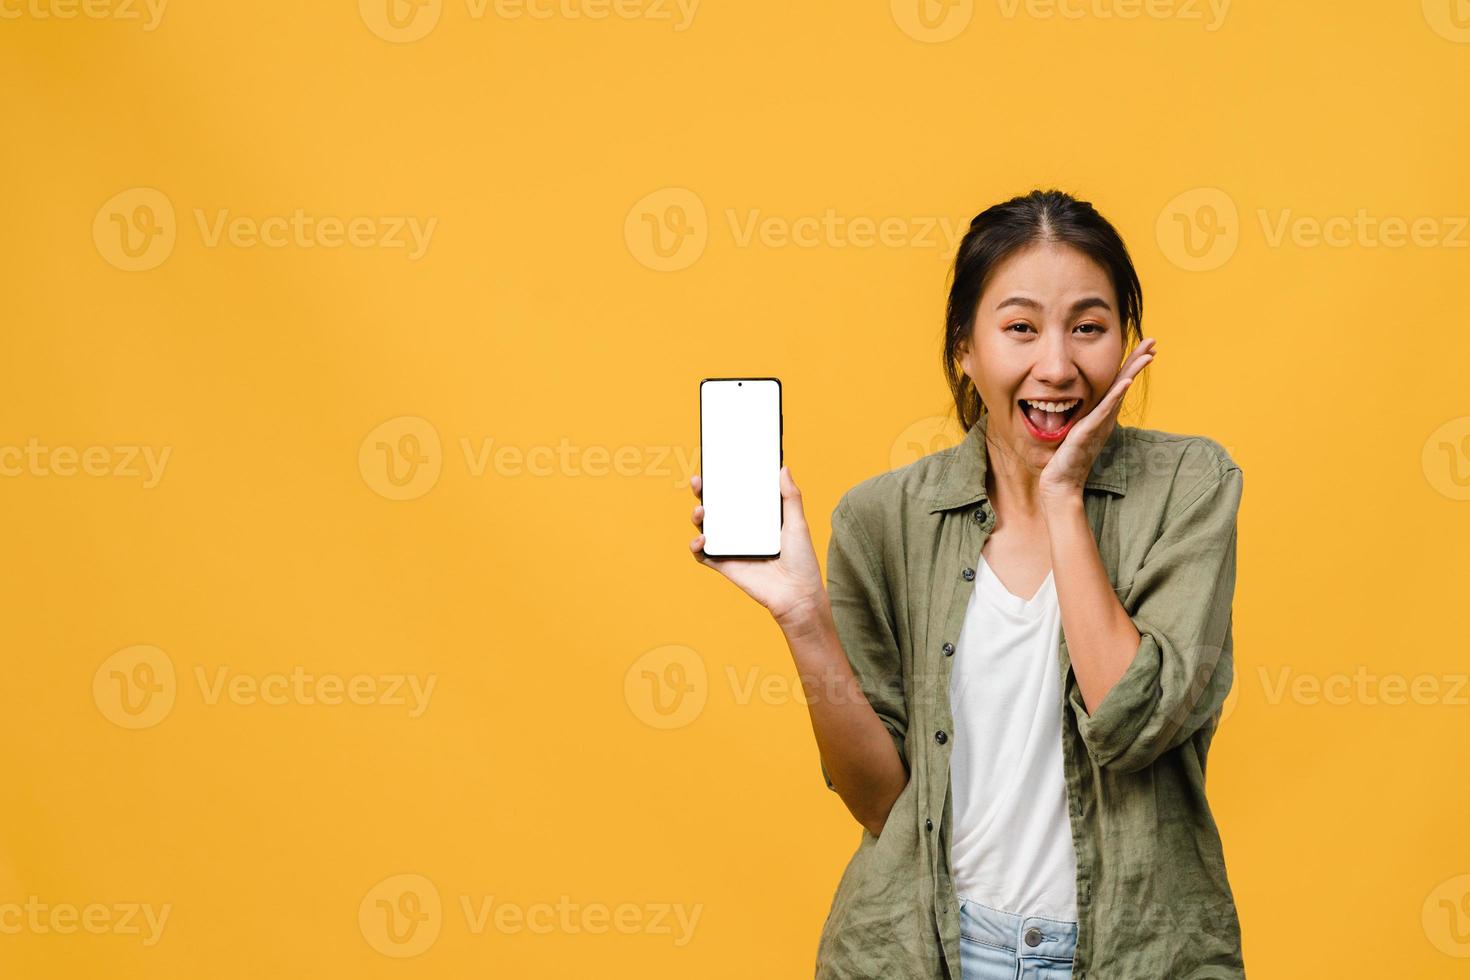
pixel 1054 406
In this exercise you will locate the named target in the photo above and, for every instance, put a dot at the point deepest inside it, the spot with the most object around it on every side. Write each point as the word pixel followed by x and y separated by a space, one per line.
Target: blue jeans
pixel 996 945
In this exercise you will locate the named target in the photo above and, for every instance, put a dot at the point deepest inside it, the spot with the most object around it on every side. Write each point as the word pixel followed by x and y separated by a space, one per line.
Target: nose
pixel 1055 366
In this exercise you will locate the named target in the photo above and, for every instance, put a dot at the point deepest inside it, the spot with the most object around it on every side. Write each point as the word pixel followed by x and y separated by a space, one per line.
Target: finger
pixel 696 483
pixel 1139 365
pixel 696 547
pixel 698 516
pixel 1107 408
pixel 1114 394
pixel 1147 348
pixel 1089 431
pixel 1122 391
pixel 1133 367
pixel 1115 397
pixel 1128 364
pixel 1144 347
pixel 791 508
pixel 1092 423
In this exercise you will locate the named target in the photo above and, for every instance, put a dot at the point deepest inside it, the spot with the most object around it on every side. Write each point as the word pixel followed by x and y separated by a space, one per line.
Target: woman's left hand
pixel 1066 473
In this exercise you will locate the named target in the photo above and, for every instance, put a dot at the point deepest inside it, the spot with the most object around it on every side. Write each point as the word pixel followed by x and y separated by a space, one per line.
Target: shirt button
pixel 928 824
pixel 980 515
pixel 948 649
pixel 1033 936
pixel 968 575
pixel 940 737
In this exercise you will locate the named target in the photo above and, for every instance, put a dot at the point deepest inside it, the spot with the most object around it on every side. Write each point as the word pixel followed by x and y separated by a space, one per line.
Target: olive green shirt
pixel 1152 896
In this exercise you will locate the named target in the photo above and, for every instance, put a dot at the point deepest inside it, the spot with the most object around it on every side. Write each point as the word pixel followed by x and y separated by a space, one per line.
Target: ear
pixel 965 348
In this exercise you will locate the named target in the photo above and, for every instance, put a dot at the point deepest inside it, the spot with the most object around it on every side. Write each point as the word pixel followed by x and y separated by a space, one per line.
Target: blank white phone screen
pixel 740 464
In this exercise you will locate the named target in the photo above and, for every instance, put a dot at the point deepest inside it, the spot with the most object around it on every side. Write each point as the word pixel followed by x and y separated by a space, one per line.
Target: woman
pixel 1019 658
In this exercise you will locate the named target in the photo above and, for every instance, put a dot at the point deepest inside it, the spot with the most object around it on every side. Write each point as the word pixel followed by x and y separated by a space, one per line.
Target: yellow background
pixel 542 592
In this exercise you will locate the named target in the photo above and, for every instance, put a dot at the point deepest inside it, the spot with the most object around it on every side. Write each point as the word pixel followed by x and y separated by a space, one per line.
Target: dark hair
pixel 1037 217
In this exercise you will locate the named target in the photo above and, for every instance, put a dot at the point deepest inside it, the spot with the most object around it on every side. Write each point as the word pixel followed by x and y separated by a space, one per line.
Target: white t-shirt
pixel 1012 842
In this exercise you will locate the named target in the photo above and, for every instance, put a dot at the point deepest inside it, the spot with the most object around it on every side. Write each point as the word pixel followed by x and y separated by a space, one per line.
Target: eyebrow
pixel 1086 303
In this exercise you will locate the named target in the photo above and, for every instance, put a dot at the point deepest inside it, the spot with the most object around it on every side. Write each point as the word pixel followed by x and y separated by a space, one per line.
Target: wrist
pixel 1061 502
pixel 806 616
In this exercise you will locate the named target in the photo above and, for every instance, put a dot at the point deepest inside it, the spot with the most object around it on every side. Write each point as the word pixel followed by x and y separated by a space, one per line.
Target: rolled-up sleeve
pixel 865 623
pixel 1180 601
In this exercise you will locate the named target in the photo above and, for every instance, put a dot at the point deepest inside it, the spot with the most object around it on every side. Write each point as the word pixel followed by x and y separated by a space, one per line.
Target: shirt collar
pixel 962 480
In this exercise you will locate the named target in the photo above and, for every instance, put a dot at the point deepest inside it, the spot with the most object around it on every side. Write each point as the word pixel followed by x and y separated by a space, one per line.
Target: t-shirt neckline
pixel 997 593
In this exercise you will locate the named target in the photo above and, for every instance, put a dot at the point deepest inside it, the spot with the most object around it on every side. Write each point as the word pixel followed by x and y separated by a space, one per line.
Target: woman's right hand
pixel 790 587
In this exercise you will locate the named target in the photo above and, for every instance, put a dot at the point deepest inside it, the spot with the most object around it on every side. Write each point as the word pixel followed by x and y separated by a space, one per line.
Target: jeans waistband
pixel 1053 937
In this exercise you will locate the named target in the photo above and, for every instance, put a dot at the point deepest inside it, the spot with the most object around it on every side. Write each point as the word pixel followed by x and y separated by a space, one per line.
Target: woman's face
pixel 1046 328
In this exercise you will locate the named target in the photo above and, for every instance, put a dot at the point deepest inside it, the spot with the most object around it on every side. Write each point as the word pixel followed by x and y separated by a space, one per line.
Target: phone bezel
pixel 780 440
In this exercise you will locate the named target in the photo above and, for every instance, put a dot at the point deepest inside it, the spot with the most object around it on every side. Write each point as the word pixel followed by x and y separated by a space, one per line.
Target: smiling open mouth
pixel 1050 419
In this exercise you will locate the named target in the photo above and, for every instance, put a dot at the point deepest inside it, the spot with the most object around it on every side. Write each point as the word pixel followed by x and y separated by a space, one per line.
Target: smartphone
pixel 740 459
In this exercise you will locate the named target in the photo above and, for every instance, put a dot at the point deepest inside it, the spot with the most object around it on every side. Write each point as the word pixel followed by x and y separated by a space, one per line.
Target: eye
pixel 1096 327
pixel 1018 323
